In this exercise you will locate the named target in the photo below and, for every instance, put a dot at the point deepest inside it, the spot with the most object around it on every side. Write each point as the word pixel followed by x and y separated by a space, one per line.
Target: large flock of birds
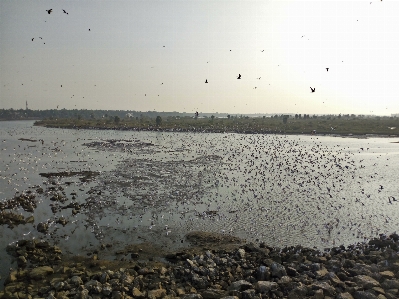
pixel 282 190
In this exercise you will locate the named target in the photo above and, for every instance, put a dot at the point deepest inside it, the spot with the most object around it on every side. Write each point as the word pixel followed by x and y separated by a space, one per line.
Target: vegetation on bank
pixel 343 125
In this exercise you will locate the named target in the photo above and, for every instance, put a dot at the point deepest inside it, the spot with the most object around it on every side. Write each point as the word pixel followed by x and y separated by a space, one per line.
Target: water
pixel 317 191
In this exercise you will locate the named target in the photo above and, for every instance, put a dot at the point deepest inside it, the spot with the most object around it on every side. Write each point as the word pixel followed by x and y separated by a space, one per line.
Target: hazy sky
pixel 146 55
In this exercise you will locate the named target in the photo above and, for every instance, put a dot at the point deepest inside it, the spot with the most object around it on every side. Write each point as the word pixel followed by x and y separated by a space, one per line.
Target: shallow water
pixel 317 191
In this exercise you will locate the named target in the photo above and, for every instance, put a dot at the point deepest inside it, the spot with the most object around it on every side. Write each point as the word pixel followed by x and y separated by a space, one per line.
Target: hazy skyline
pixel 146 55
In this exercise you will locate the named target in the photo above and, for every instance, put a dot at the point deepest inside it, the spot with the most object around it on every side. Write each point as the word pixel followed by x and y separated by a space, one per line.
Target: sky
pixel 156 55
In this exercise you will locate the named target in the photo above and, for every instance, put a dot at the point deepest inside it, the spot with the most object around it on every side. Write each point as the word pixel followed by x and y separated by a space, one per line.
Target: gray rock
pixel 76 280
pixel 366 282
pixel 278 270
pixel 390 284
pixel 298 292
pixel 107 289
pixel 117 295
pixel 248 294
pixel 345 295
pixel 240 286
pixel 364 295
pixel 327 288
pixel 265 286
pixel 213 294
pixel 82 294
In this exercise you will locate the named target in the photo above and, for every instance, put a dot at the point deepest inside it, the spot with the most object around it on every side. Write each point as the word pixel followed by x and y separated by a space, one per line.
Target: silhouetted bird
pixel 89 29
pixel 313 89
pixel 33 39
pixel 206 80
pixel 327 68
pixel 49 11
pixel 239 76
pixel 64 11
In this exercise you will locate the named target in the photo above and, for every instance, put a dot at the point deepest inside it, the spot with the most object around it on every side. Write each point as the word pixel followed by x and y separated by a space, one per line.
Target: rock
pixel 327 289
pixel 76 281
pixel 364 295
pixel 213 294
pixel 345 295
pixel 265 286
pixel 191 296
pixel 137 294
pixel 42 227
pixel 390 284
pixel 156 294
pixel 366 282
pixel 291 271
pixel 298 292
pixel 240 286
pixel 230 297
pixel 107 289
pixel 241 253
pixel 40 273
pixel 248 294
pixel 117 295
pixel 82 294
pixel 278 270
pixel 387 274
pixel 318 294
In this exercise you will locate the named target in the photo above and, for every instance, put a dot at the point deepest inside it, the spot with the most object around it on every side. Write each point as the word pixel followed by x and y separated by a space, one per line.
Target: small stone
pixel 364 295
pixel 387 274
pixel 156 294
pixel 345 295
pixel 366 282
pixel 241 253
pixel 240 286
pixel 265 286
pixel 137 294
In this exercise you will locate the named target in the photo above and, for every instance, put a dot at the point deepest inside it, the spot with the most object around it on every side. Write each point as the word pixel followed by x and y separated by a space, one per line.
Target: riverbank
pixel 388 127
pixel 213 266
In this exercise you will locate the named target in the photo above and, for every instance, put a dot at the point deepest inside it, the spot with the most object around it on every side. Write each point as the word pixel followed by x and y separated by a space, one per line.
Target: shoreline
pixel 214 266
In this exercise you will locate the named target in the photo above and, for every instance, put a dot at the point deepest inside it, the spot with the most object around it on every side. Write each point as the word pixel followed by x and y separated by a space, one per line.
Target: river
pixel 317 191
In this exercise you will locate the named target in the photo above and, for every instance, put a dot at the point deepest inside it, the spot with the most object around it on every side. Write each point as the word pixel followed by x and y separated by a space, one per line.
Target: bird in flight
pixel 64 11
pixel 206 80
pixel 239 76
pixel 33 39
pixel 313 89
pixel 49 10
pixel 327 68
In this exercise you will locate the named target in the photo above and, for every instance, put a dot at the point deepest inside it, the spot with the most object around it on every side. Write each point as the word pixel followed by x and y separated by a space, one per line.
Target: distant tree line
pixel 117 115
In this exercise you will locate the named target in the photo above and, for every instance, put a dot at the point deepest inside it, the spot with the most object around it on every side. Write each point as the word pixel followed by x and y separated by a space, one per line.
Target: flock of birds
pixel 154 187
pixel 313 89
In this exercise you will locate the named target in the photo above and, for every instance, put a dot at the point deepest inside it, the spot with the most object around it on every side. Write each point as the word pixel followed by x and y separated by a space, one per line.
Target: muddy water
pixel 153 187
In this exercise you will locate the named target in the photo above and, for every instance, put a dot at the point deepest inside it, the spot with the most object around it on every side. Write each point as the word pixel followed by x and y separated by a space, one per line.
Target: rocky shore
pixel 215 266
